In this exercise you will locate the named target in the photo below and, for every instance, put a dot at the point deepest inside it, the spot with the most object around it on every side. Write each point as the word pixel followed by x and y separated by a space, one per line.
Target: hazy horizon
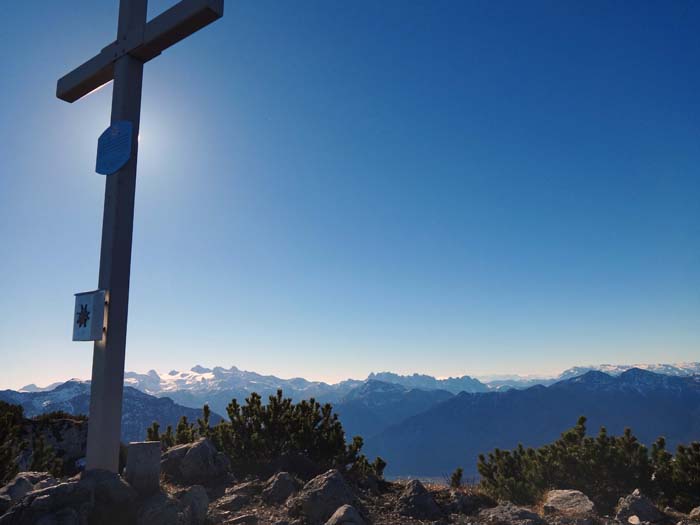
pixel 328 189
pixel 332 381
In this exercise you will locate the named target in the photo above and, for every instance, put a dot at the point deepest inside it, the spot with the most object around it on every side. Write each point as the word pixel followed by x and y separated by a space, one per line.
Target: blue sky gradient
pixel 331 188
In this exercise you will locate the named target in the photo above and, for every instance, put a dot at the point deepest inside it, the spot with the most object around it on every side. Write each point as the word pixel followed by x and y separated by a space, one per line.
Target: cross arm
pixel 165 30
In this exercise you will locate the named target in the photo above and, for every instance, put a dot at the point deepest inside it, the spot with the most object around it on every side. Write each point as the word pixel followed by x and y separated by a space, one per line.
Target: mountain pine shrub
pixel 11 445
pixel 167 440
pixel 44 458
pixel 14 441
pixel 257 434
pixel 185 432
pixel 456 478
pixel 677 478
pixel 603 467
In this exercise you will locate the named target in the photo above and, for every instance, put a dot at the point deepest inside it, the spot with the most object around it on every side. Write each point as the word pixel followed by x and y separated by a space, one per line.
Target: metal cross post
pixel 137 42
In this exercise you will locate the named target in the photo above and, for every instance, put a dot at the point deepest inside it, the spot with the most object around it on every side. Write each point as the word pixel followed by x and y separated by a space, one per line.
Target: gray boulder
pixel 196 503
pixel 197 462
pixel 95 497
pixel 161 509
pixel 571 504
pixel 346 515
pixel 22 484
pixel 233 502
pixel 637 505
pixel 417 502
pixel 247 488
pixel 509 514
pixel 321 497
pixel 467 502
pixel 695 514
pixel 113 498
pixel 279 487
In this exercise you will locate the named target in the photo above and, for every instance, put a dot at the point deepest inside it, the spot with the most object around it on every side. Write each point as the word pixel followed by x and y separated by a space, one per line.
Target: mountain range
pixel 422 425
pixel 452 433
pixel 139 410
pixel 202 379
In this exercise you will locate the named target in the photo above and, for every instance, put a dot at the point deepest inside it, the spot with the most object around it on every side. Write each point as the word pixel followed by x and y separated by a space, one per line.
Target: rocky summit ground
pixel 197 488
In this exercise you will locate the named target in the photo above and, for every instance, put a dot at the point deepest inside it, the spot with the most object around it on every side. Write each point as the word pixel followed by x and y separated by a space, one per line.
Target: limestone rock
pixel 197 462
pixel 113 498
pixel 346 515
pixel 247 488
pixel 279 487
pixel 509 514
pixel 96 497
pixel 233 502
pixel 569 504
pixel 22 484
pixel 467 502
pixel 196 502
pixel 247 519
pixel 637 504
pixel 321 497
pixel 417 502
pixel 161 509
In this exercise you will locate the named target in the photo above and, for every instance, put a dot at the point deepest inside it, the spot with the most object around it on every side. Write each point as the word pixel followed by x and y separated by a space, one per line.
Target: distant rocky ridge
pixel 139 410
pixel 675 369
pixel 216 385
pixel 455 431
pixel 426 382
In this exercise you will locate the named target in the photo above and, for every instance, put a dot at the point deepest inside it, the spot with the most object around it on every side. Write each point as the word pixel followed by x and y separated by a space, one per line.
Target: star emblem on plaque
pixel 89 316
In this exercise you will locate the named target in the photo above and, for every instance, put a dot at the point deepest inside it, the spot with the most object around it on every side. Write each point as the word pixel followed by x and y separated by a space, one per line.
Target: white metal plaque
pixel 114 147
pixel 89 316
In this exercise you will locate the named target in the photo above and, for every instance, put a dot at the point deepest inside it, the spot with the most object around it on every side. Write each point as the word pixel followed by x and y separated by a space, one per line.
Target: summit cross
pixel 138 41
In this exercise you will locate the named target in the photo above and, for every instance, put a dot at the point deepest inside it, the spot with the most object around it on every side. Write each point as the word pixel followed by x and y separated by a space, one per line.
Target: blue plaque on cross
pixel 114 147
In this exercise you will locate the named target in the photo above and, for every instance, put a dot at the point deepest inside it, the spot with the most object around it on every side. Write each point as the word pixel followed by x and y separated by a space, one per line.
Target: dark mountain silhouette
pixel 454 432
pixel 139 410
pixel 371 407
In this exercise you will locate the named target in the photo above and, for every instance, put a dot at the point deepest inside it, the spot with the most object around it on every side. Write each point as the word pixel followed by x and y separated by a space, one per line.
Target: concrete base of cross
pixel 142 470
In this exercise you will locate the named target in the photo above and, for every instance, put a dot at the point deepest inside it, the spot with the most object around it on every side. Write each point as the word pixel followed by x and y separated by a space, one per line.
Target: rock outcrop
pixel 332 498
pixel 21 485
pixel 321 497
pixel 197 462
pixel 279 487
pixel 346 515
pixel 637 508
pixel 509 514
pixel 570 506
pixel 95 497
pixel 196 503
pixel 417 502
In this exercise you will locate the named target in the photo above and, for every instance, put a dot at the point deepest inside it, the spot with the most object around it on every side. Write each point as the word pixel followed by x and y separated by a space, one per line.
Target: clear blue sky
pixel 331 188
